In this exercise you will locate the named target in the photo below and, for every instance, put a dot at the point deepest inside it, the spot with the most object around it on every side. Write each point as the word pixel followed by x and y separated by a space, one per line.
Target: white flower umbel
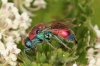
pixel 40 2
pixel 12 26
pixel 94 59
pixel 25 5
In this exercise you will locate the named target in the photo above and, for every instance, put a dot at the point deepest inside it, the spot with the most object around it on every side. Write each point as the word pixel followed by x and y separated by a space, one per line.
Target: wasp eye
pixel 38 31
pixel 27 42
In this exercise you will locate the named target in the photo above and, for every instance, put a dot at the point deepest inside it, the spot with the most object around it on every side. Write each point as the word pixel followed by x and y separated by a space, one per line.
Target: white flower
pixel 97 45
pixel 27 2
pixel 74 64
pixel 10 45
pixel 13 63
pixel 23 32
pixel 40 2
pixel 0 36
pixel 16 51
pixel 4 52
pixel 15 24
pixel 15 11
pixel 90 51
pixel 25 16
pixel 97 55
pixel 94 59
pixel 98 62
pixel 25 10
pixel 16 35
pixel 9 39
pixel 13 57
pixel 4 1
pixel 8 21
pixel 90 56
pixel 23 19
pixel 96 29
pixel 12 26
pixel 24 5
pixel 1 46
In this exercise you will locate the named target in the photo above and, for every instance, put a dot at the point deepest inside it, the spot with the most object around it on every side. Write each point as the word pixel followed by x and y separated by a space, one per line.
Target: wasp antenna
pixel 76 42
pixel 23 39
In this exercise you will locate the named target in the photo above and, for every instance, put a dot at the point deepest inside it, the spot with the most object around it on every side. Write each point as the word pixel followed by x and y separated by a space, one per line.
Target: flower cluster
pixel 93 54
pixel 24 5
pixel 12 27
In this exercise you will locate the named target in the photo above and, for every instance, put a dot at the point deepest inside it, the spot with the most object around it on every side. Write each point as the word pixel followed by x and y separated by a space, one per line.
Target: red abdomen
pixel 32 34
pixel 61 32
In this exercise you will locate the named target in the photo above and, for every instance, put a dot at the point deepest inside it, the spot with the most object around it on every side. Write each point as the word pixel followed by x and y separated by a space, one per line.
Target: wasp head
pixel 28 44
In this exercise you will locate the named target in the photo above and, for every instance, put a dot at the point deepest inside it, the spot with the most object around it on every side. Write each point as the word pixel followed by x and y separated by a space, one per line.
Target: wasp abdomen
pixel 61 32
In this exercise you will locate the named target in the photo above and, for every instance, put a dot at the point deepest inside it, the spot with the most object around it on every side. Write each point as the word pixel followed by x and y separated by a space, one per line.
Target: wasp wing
pixel 61 24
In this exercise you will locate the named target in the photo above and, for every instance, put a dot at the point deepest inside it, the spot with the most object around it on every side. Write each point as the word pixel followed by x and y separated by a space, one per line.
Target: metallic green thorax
pixel 40 35
pixel 44 35
pixel 48 35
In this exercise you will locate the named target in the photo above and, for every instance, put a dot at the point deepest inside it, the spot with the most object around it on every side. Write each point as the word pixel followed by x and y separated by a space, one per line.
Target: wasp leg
pixel 55 37
pixel 50 44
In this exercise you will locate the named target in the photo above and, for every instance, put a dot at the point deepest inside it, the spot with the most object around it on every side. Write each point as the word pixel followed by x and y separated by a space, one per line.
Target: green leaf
pixel 40 57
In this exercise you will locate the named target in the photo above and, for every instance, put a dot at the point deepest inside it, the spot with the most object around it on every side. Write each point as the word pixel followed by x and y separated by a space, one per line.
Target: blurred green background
pixel 94 18
pixel 96 12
